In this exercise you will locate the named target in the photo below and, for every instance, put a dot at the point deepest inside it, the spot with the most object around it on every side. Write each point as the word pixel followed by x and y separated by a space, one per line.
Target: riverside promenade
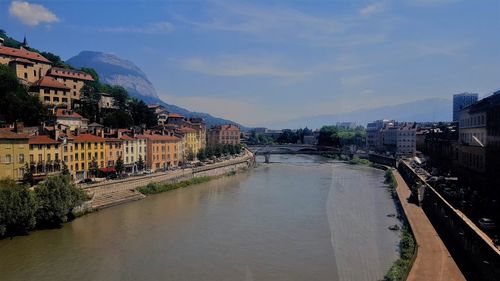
pixel 109 193
pixel 433 261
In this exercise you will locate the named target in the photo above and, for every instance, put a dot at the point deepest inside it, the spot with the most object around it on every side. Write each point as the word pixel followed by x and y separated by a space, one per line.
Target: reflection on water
pixel 299 218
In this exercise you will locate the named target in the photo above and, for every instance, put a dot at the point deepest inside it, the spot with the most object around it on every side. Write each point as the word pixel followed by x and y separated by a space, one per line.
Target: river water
pixel 301 217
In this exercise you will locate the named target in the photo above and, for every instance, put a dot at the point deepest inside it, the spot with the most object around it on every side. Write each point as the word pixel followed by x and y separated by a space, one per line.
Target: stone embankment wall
pixel 110 193
pixel 477 251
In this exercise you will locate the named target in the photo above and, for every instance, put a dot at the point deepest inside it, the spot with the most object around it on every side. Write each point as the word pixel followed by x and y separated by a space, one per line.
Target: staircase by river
pixel 113 198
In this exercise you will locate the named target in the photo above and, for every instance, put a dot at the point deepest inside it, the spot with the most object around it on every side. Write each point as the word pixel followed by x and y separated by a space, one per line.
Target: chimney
pixel 18 127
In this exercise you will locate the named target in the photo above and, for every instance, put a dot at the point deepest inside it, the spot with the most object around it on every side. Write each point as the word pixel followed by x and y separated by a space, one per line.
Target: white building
pixel 400 139
pixel 374 134
pixel 134 148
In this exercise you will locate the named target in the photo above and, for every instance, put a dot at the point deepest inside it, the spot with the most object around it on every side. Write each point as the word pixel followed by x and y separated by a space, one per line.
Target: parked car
pixel 87 181
pixel 147 172
pixel 112 177
pixel 487 224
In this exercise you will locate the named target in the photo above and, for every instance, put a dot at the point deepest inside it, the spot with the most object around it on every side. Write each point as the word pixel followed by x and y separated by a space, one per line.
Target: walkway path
pixel 433 261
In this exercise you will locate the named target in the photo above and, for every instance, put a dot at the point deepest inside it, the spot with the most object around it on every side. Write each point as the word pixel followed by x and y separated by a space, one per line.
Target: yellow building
pixel 29 66
pixel 72 79
pixel 192 143
pixel 44 155
pixel 87 149
pixel 52 93
pixel 68 153
pixel 14 150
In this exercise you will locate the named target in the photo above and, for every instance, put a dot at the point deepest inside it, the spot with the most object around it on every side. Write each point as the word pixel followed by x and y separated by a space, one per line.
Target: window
pixel 39 158
pixel 32 158
pixel 21 158
pixel 7 158
pixel 34 72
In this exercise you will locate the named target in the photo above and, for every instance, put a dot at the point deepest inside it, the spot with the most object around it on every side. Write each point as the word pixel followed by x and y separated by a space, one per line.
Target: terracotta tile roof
pixel 49 82
pixel 140 137
pixel 88 138
pixel 113 140
pixel 69 73
pixel 126 137
pixel 25 61
pixel 161 138
pixel 187 130
pixel 175 115
pixel 42 140
pixel 22 53
pixel 67 113
pixel 7 133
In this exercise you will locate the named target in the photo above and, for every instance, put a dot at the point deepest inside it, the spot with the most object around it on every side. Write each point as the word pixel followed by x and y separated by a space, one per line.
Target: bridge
pixel 267 150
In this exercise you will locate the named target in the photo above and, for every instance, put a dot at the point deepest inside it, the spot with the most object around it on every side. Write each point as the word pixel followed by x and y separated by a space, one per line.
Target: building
pixel 106 101
pixel 374 134
pixel 29 66
pixel 14 150
pixel 160 112
pixel 134 148
pixel 73 80
pixel 52 92
pixel 479 136
pixel 88 153
pixel 346 125
pixel 68 119
pixel 461 101
pixel 163 151
pixel 113 151
pixel 44 155
pixel 223 134
pixel 399 139
pixel 192 143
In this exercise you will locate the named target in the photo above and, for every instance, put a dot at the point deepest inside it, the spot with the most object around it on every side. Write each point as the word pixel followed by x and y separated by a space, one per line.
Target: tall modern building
pixel 461 101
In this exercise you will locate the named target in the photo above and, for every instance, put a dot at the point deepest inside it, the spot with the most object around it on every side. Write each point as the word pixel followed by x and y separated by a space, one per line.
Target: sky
pixel 258 62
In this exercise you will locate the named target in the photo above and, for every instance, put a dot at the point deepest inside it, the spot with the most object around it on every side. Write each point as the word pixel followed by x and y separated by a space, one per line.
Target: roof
pixel 161 138
pixel 7 133
pixel 187 130
pixel 23 53
pixel 95 125
pixel 21 60
pixel 88 138
pixel 42 140
pixel 126 137
pixel 50 82
pixel 113 140
pixel 175 115
pixel 69 73
pixel 67 113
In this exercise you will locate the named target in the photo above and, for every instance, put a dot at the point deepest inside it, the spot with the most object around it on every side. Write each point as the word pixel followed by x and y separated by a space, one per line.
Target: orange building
pixel 113 151
pixel 223 134
pixel 162 151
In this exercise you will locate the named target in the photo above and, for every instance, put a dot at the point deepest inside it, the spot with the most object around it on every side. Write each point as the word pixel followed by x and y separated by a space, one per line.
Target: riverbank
pixel 432 261
pixel 118 192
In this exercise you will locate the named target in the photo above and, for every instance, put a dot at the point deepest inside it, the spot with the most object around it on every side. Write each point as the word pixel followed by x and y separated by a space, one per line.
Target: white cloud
pixel 31 14
pixel 373 8
pixel 154 28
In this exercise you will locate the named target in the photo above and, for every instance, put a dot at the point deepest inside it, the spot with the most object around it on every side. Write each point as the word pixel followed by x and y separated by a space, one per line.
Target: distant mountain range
pixel 426 110
pixel 117 71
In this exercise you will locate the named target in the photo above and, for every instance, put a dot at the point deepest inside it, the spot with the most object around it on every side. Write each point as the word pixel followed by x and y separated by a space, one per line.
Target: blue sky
pixel 258 62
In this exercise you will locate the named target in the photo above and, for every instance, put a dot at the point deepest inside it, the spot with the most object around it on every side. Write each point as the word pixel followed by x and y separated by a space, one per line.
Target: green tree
pixel 17 208
pixel 119 165
pixel 120 96
pixel 56 197
pixel 56 60
pixel 140 113
pixel 15 101
pixel 140 163
pixel 94 168
pixel 27 175
pixel 201 155
pixel 92 73
pixel 190 155
pixel 118 119
pixel 89 103
pixel 64 169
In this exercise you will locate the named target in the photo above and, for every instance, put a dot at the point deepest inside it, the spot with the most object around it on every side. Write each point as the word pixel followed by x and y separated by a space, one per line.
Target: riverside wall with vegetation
pixel 47 205
pixel 407 246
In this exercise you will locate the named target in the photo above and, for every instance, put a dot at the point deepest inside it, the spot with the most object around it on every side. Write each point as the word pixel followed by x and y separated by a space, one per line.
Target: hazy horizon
pixel 258 63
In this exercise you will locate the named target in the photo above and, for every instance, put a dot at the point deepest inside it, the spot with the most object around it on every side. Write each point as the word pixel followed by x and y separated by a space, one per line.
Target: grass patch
pixel 154 188
pixel 400 268
pixel 407 245
pixel 358 161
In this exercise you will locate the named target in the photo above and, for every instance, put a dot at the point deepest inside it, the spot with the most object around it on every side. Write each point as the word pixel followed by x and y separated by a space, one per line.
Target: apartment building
pixel 14 150
pixel 88 149
pixel 74 80
pixel 52 92
pixel 29 66
pixel 163 151
pixel 223 134
pixel 44 153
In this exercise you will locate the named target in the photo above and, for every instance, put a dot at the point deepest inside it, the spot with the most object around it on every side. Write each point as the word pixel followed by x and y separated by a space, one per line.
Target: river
pixel 301 217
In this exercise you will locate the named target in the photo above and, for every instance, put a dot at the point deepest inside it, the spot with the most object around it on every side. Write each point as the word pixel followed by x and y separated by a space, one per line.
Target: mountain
pixel 426 110
pixel 117 71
